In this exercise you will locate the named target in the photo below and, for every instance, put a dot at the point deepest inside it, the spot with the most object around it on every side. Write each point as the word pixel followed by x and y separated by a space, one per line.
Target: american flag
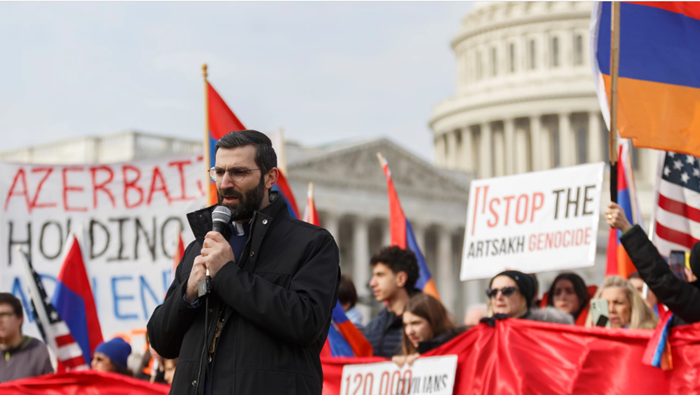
pixel 677 210
pixel 53 329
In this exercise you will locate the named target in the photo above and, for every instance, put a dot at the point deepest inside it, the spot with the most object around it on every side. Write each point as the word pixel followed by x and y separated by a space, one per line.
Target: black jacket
pixel 277 310
pixel 682 298
pixel 385 333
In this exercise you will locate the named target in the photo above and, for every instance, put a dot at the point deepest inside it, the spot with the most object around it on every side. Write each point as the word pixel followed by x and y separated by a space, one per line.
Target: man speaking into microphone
pixel 273 284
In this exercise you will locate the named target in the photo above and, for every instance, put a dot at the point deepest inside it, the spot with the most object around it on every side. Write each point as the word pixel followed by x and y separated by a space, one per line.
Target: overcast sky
pixel 324 72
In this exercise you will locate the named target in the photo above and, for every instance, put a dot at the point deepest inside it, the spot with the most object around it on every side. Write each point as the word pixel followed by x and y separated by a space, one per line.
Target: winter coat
pixel 438 341
pixel 682 298
pixel 549 314
pixel 385 333
pixel 275 309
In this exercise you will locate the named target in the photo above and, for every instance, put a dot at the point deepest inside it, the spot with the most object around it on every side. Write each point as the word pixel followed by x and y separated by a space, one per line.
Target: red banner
pixel 528 357
pixel 83 382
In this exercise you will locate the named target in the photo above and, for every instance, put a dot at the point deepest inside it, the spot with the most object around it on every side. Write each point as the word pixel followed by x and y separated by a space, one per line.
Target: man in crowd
pixel 23 356
pixel 394 275
pixel 274 283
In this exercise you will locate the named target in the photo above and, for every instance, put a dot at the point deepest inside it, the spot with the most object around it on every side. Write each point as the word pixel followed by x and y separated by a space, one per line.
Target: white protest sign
pixel 429 375
pixel 533 222
pixel 129 213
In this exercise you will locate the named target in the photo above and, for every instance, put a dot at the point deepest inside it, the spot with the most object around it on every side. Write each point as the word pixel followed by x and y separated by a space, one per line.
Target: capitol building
pixel 525 101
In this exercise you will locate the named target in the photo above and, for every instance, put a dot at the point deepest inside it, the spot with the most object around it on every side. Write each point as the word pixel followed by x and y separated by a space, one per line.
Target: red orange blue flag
pixel 659 77
pixel 618 262
pixel 220 121
pixel 74 301
pixel 402 234
pixel 344 339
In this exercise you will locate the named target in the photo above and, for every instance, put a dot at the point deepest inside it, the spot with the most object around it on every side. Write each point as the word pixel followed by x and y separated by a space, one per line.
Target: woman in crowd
pixel 511 294
pixel 568 294
pixel 626 307
pixel 111 356
pixel 682 298
pixel 427 325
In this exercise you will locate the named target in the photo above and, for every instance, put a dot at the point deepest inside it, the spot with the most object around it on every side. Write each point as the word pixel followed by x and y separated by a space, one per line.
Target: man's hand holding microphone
pixel 216 252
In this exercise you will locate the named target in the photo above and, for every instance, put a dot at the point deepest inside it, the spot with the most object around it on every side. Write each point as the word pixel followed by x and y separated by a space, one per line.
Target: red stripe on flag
pixel 689 9
pixel 64 339
pixel 679 208
pixel 74 362
pixel 675 236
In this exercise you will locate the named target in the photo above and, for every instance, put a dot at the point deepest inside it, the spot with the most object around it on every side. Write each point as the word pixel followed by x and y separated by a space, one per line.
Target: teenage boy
pixel 394 275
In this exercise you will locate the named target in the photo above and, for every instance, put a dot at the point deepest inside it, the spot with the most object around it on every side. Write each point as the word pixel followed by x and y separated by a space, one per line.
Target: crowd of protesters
pixel 412 322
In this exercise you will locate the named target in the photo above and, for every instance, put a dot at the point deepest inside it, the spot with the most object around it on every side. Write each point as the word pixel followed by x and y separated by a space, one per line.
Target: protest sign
pixel 128 215
pixel 533 222
pixel 431 375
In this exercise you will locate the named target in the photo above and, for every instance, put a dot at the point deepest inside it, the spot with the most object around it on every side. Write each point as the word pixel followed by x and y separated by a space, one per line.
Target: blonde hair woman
pixel 627 309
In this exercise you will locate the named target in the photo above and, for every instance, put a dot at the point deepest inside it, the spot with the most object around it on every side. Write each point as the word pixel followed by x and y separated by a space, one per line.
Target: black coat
pixel 682 298
pixel 278 301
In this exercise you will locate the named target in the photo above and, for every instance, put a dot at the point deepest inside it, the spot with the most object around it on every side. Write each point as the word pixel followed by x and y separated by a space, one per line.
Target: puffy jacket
pixel 682 298
pixel 276 303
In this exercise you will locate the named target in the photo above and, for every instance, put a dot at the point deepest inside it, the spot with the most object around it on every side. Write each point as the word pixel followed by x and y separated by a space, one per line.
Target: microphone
pixel 220 219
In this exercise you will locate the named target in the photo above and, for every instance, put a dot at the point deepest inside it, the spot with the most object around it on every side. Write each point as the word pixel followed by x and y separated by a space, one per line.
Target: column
pixel 509 131
pixel 451 141
pixel 486 154
pixel 567 154
pixel 445 277
pixel 330 223
pixel 536 145
pixel 386 235
pixel 466 154
pixel 595 137
pixel 439 151
pixel 499 153
pixel 361 267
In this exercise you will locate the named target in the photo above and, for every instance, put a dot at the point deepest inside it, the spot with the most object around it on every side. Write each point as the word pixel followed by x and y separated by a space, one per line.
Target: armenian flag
pixel 344 339
pixel 402 234
pixel 618 262
pixel 659 77
pixel 220 121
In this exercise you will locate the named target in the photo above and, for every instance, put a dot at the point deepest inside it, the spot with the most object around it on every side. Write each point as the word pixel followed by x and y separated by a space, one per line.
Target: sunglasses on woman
pixel 505 291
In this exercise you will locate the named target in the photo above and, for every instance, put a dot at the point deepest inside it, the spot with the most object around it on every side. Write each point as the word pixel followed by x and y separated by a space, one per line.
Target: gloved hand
pixel 491 321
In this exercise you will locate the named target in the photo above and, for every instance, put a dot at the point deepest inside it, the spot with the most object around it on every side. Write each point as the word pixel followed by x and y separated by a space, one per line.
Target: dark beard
pixel 246 206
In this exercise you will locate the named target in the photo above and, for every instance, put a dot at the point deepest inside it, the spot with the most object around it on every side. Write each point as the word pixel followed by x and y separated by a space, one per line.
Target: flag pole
pixel 614 71
pixel 207 160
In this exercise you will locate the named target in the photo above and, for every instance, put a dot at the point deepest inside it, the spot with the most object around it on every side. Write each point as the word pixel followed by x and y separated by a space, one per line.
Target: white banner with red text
pixel 127 216
pixel 533 222
pixel 429 375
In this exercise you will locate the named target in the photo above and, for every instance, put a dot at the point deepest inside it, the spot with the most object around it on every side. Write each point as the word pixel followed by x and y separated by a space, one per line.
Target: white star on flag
pixel 690 159
pixel 54 315
pixel 685 177
pixel 696 172
pixel 667 171
pixel 672 154
pixel 677 165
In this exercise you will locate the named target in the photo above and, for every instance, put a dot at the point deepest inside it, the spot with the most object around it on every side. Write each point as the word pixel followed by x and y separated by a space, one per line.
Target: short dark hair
pixel 399 260
pixel 634 275
pixel 10 299
pixel 346 291
pixel 265 157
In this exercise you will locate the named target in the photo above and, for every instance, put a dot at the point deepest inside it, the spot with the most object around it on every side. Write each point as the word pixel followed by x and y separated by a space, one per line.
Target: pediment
pixel 356 165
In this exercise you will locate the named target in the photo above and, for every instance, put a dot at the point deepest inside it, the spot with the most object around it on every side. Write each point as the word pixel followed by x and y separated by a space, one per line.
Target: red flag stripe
pixel 74 362
pixel 679 208
pixel 64 340
pixel 675 236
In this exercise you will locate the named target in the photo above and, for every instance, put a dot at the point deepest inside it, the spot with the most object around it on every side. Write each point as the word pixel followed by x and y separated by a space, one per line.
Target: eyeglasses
pixel 237 174
pixel 505 291
pixel 4 316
